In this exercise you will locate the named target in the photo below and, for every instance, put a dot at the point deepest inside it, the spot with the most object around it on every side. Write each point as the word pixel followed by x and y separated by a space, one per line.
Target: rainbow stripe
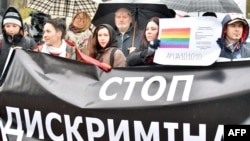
pixel 175 38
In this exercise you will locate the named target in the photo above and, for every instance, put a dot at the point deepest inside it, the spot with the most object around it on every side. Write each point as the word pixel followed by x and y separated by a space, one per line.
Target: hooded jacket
pixel 242 50
pixel 105 55
pixel 8 41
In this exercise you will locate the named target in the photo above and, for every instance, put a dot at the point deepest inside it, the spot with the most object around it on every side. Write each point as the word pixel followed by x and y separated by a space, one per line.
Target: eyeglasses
pixel 79 18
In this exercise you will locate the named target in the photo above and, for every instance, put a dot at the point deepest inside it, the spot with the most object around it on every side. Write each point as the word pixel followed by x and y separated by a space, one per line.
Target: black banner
pixel 50 98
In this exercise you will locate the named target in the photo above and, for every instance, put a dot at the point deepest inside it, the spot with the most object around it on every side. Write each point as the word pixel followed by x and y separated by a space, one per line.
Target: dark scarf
pixel 13 40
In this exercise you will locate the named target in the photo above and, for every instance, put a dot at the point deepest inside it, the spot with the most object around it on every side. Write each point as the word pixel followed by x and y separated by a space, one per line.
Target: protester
pixel 212 14
pixel 125 34
pixel 79 31
pixel 234 34
pixel 173 13
pixel 54 44
pixel 149 43
pixel 104 47
pixel 13 35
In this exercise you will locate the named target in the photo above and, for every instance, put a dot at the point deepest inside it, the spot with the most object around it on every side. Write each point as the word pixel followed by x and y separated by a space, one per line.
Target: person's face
pixel 50 35
pixel 234 31
pixel 122 20
pixel 11 28
pixel 79 21
pixel 103 37
pixel 152 31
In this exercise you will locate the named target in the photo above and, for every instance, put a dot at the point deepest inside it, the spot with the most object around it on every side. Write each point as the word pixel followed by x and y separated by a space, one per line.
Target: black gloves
pixel 154 44
pixel 148 52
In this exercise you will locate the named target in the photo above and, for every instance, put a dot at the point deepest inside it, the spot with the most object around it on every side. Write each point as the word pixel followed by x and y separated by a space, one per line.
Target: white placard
pixel 189 41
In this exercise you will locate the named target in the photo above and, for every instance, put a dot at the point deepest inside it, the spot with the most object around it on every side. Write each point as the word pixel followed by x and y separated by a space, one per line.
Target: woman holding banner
pixel 149 43
pixel 80 30
pixel 54 44
pixel 12 36
pixel 104 47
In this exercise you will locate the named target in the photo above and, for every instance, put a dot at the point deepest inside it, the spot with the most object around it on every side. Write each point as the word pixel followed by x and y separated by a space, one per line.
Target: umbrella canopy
pixel 221 6
pixel 65 8
pixel 142 11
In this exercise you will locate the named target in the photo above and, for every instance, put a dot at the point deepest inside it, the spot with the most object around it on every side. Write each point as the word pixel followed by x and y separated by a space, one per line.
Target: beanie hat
pixel 12 17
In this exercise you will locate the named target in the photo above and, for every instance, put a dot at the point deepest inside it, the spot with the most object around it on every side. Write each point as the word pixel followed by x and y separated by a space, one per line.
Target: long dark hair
pixel 96 47
pixel 144 42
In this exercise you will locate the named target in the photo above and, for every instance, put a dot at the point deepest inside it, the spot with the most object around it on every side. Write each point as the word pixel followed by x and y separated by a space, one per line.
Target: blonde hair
pixel 87 19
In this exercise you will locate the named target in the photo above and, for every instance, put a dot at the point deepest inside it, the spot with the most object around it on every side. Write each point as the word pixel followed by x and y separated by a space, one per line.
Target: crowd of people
pixel 117 46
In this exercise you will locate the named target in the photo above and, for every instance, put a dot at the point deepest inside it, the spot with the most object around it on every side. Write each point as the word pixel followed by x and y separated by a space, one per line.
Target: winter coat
pixel 79 38
pixel 125 41
pixel 118 57
pixel 105 54
pixel 16 41
pixel 243 50
pixel 144 55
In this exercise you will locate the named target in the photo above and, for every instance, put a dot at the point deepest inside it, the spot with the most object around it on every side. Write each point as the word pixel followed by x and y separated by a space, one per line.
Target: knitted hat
pixel 12 17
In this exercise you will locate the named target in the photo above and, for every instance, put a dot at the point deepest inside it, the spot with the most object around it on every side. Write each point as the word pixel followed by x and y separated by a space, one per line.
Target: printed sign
pixel 188 41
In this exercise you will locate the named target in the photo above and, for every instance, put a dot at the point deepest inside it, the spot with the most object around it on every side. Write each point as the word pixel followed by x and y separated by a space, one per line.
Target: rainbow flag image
pixel 175 38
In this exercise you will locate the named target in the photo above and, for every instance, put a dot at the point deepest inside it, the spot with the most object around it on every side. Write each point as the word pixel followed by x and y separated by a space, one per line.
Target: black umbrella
pixel 142 11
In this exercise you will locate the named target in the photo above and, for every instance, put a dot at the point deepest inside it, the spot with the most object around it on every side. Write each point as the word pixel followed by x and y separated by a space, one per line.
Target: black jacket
pixel 8 41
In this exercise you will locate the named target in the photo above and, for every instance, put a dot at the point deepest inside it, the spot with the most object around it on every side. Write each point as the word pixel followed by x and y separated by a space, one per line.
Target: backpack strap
pixel 112 54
